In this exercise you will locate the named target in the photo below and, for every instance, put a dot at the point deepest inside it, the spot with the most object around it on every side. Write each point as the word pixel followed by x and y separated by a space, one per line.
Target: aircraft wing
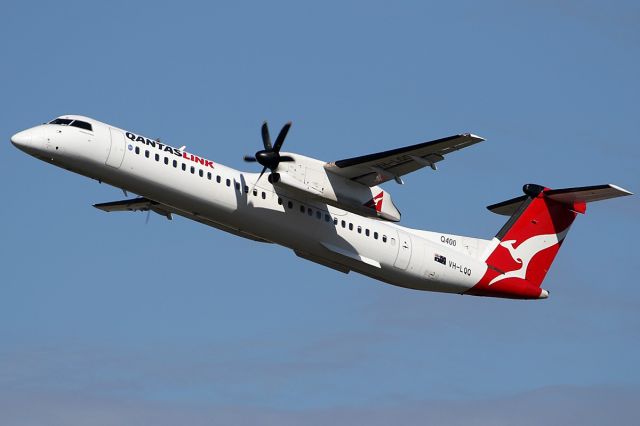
pixel 133 205
pixel 142 204
pixel 374 169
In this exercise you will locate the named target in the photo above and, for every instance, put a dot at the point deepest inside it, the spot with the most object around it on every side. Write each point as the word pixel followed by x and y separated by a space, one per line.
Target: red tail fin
pixel 522 252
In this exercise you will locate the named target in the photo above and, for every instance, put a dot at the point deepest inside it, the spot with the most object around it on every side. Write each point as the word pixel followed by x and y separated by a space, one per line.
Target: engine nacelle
pixel 339 192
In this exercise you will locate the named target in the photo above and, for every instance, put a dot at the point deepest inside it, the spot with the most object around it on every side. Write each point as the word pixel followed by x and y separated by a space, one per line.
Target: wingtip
pixel 623 191
pixel 472 136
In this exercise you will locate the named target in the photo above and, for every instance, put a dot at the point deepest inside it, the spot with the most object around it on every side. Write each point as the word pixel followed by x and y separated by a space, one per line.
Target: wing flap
pixel 322 261
pixel 351 254
pixel 141 204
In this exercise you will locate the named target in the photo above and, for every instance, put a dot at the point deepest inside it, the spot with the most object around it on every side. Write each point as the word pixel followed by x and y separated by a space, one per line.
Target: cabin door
pixel 404 250
pixel 116 152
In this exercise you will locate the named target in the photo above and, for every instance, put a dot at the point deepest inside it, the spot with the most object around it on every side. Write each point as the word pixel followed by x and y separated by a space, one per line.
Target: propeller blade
pixel 250 159
pixel 266 139
pixel 286 158
pixel 264 169
pixel 281 136
pixel 146 222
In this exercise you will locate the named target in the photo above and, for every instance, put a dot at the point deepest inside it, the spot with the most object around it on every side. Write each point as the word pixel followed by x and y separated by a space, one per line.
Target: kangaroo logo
pixel 525 252
pixel 376 202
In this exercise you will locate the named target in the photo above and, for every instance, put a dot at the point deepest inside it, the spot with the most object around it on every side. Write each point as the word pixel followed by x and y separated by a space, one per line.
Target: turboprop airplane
pixel 334 214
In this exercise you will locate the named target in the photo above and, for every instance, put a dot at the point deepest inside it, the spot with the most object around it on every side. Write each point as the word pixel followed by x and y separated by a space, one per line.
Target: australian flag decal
pixel 440 259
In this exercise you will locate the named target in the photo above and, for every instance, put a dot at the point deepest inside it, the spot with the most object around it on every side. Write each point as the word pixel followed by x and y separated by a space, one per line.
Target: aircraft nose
pixel 22 139
pixel 29 140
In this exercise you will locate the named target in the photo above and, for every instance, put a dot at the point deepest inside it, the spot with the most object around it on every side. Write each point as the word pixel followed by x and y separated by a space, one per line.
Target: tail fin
pixel 520 255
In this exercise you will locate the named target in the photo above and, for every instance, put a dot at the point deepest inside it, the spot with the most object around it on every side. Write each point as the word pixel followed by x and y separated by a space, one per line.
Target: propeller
pixel 269 157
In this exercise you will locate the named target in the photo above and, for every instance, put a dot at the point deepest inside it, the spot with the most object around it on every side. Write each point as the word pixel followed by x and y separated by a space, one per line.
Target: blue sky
pixel 105 320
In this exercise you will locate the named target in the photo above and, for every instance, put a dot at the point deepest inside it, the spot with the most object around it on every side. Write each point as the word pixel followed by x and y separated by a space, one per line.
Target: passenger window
pixel 137 150
pixel 193 170
pixel 157 157
pixel 366 232
pixel 335 221
pixel 344 224
pixel 327 218
pixel 359 229
pixel 279 201
pixel 384 238
pixel 350 226
pixel 209 175
pixel 238 186
pixel 264 196
pixel 246 189
pixel 166 160
pixel 200 173
pixel 318 214
pixel 184 167
pixel 218 179
pixel 146 153
pixel 228 182
pixel 289 204
pixel 309 211
pixel 175 163
pixel 375 235
pixel 302 209
pixel 255 192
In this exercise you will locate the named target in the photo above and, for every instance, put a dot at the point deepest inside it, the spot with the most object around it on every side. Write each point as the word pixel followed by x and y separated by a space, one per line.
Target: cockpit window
pixel 82 124
pixel 75 123
pixel 61 121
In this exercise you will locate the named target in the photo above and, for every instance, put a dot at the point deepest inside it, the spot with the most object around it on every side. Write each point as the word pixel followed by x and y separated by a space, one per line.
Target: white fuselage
pixel 233 201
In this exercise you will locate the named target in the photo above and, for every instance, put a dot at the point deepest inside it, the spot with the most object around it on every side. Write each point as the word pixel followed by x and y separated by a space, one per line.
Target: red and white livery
pixel 334 214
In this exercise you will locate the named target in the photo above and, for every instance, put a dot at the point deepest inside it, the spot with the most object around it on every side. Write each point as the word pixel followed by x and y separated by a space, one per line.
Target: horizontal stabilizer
pixel 508 207
pixel 569 196
pixel 586 194
pixel 520 255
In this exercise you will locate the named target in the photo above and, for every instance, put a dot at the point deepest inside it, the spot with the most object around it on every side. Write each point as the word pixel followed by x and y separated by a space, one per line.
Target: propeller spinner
pixel 270 157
